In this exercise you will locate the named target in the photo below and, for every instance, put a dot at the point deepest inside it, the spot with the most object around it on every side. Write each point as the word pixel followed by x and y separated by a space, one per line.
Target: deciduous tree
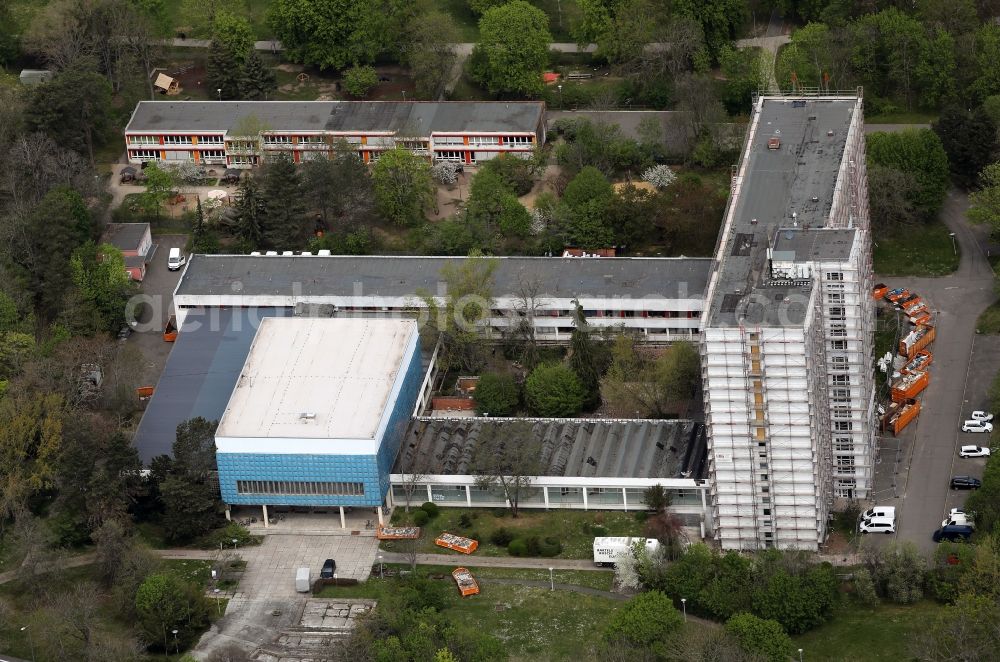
pixel 359 80
pixel 553 390
pixel 403 186
pixel 431 36
pixel 985 203
pixel 497 394
pixel 74 108
pixel 968 139
pixel 513 49
pixel 916 151
pixel 457 315
pixel 284 223
pixel 762 637
pixel 507 456
pixel 165 603
pixel 493 204
pixel 332 33
pixel 233 33
pixel 646 621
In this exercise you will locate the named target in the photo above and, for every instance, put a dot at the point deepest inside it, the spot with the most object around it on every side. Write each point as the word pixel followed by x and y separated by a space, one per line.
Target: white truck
pixel 303 580
pixel 606 550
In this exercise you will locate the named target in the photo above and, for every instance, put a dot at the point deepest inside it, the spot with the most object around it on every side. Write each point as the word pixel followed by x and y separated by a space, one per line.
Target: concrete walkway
pixel 494 562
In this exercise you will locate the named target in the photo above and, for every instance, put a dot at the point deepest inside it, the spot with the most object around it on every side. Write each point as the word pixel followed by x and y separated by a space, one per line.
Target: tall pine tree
pixel 258 81
pixel 250 212
pixel 224 72
pixel 285 224
pixel 588 359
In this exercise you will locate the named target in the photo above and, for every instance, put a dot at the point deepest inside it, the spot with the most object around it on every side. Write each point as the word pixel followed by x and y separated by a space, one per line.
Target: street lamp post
pixel 31 643
pixel 559 87
pixel 684 606
pixel 552 581
pixel 218 602
pixel 381 572
pixel 177 646
pixel 800 655
pixel 954 246
pixel 234 544
pixel 219 91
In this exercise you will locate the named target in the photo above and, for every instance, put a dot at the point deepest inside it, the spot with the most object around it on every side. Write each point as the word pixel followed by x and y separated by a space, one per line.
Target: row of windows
pixel 295 487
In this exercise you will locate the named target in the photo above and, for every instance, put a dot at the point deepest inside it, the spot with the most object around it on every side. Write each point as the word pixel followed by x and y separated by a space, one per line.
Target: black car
pixel 953 533
pixel 965 483
pixel 329 567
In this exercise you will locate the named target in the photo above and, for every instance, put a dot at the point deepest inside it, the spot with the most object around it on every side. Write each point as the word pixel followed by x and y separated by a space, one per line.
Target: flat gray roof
pixel 570 447
pixel 200 374
pixel 414 118
pixel 812 244
pixel 789 186
pixel 125 236
pixel 398 276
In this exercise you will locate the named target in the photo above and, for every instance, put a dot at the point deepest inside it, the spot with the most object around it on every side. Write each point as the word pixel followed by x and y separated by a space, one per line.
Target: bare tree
pixel 409 548
pixel 519 334
pixel 410 483
pixel 507 456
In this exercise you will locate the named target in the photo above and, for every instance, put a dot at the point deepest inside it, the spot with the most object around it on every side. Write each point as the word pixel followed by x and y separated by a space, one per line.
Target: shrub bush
pixel 641 515
pixel 431 509
pixel 420 517
pixel 499 513
pixel 549 547
pixel 465 520
pixel 502 537
pixel 518 547
pixel 226 534
pixel 497 395
pixel 598 531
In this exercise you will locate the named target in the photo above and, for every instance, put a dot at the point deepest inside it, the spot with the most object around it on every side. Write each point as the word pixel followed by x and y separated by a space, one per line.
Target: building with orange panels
pixel 240 134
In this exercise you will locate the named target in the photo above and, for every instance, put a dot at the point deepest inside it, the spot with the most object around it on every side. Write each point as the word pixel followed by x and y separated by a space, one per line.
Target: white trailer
pixel 303 582
pixel 606 550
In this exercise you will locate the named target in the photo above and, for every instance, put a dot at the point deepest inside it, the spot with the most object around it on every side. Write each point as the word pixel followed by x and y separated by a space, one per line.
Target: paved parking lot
pixel 963 368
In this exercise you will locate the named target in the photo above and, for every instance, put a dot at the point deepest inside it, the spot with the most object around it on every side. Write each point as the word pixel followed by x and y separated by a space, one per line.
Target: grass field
pixel 856 633
pixel 538 625
pixel 918 251
pixel 602 581
pixel 573 528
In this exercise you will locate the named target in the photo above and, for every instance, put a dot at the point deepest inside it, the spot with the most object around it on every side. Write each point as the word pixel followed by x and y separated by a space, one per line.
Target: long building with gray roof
pixel 240 134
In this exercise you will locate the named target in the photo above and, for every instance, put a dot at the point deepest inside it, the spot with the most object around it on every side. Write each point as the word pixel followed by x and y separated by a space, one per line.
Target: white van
pixel 175 260
pixel 877 525
pixel 885 512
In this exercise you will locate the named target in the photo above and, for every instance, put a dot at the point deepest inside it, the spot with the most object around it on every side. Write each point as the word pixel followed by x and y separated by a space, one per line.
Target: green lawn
pixel 901 117
pixel 989 320
pixel 859 633
pixel 538 625
pixel 573 528
pixel 925 250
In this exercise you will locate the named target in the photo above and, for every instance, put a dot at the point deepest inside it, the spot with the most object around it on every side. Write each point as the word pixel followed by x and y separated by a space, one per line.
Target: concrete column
pixel 264 507
pixel 378 510
pixel 430 494
pixel 389 502
pixel 229 513
pixel 468 496
pixel 585 499
pixel 545 495
pixel 625 498
pixel 343 522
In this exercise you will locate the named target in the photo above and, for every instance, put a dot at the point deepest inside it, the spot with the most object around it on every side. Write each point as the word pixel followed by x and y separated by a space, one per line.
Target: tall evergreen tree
pixel 588 359
pixel 284 210
pixel 258 81
pixel 250 212
pixel 224 72
pixel 968 139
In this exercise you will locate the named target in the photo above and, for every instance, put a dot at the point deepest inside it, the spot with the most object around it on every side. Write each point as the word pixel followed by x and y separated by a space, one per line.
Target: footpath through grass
pixel 574 529
pixel 989 320
pixel 918 251
pixel 859 633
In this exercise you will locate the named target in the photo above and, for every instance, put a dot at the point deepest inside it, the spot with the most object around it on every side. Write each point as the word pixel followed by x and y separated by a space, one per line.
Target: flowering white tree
pixel 660 176
pixel 627 570
pixel 445 172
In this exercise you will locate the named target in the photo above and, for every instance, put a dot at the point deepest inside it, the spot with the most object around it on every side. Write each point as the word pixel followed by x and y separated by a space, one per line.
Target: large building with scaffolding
pixel 788 328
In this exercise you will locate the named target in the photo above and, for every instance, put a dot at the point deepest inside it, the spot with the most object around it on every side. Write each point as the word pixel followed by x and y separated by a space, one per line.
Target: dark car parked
pixel 965 483
pixel 953 533
pixel 329 567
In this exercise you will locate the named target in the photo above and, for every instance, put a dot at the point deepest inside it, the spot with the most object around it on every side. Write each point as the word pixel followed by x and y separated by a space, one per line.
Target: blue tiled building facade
pixel 326 480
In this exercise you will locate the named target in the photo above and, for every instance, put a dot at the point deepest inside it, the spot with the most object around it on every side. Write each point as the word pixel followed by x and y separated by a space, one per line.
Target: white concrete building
pixel 787 333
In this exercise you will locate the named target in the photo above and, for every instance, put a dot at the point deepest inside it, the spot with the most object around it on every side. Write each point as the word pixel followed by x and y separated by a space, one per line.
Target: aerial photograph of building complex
pixel 478 330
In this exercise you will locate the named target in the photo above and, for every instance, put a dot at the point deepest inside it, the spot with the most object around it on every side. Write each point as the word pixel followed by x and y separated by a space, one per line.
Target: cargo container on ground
pixel 909 385
pixel 916 340
pixel 919 362
pixel 899 415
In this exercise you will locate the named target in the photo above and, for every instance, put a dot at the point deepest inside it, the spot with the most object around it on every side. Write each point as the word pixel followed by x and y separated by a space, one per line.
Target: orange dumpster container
pixel 170 330
pixel 880 290
pixel 144 392
pixel 467 584
pixel 920 318
pixel 919 362
pixel 899 415
pixel 397 532
pixel 897 294
pixel 910 385
pixel 457 543
pixel 916 340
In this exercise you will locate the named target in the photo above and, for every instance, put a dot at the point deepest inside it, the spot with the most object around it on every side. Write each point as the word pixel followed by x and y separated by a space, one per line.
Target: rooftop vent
pixel 830 133
pixel 307 415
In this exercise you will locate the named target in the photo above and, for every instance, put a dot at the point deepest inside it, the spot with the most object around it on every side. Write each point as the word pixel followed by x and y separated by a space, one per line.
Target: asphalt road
pixel 964 365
